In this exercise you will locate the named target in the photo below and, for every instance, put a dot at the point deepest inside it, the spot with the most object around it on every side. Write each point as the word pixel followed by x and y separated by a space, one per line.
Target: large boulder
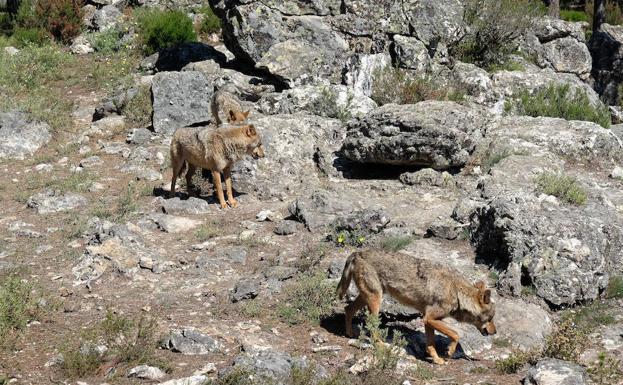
pixel 606 46
pixel 178 56
pixel 440 135
pixel 20 135
pixel 560 45
pixel 551 371
pixel 180 99
pixel 292 144
pixel 292 39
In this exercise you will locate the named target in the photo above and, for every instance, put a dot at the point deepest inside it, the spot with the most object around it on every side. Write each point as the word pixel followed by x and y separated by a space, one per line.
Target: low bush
pixel 61 18
pixel 17 306
pixel 210 23
pixel 615 287
pixel 138 110
pixel 494 28
pixel 559 102
pixel 573 15
pixel 515 361
pixel 309 298
pixel 567 342
pixel 397 85
pixel 563 187
pixel 163 29
pixel 23 37
pixel 106 42
pixel 606 370
pixel 385 356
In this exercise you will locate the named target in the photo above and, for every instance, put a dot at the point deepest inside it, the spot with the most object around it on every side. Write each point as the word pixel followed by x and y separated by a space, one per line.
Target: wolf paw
pixel 233 203
pixel 224 206
pixel 439 361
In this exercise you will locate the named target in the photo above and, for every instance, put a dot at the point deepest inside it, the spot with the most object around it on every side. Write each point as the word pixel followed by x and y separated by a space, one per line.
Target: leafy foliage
pixel 163 29
pixel 558 101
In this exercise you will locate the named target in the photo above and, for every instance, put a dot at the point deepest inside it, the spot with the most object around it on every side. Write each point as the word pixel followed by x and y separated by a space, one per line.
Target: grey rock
pixel 551 371
pixel 290 142
pixel 81 46
pixel 138 136
pixel 616 173
pixel 267 364
pixel 147 174
pixel 361 69
pixel 146 372
pixel 190 206
pixel 285 227
pixel 245 289
pixel 192 380
pixel 106 18
pixel 190 341
pixel 436 134
pixel 363 222
pixel 11 51
pixel 280 273
pixel 233 254
pixel 526 325
pixel 20 135
pixel 91 161
pixel 319 209
pixel 180 99
pixel 52 202
pixel 570 56
pixel 411 53
pixel 446 228
pixel 428 177
pixel 175 224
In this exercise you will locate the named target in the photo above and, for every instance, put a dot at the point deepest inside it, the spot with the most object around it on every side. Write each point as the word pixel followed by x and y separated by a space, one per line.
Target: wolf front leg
pixel 431 323
pixel 216 176
pixel 230 193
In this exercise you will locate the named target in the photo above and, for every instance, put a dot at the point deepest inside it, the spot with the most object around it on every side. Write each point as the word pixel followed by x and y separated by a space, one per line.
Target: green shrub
pixel 327 105
pixel 515 361
pixel 139 109
pixel 573 15
pixel 385 356
pixel 567 342
pixel 210 23
pixel 163 29
pixel 615 287
pixel 397 85
pixel 395 243
pixel 606 370
pixel 309 298
pixel 29 36
pixel 106 42
pixel 17 306
pixel 493 29
pixel 563 187
pixel 558 102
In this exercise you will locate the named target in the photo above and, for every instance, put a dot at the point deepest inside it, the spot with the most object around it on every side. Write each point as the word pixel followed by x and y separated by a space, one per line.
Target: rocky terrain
pixel 129 287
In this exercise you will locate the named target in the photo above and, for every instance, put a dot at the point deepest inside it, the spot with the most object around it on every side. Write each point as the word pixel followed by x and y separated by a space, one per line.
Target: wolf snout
pixel 488 330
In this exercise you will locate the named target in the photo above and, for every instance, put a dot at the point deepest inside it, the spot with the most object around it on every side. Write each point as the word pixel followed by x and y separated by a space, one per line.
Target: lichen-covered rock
pixel 180 99
pixel 20 135
pixel 551 371
pixel 190 341
pixel 440 135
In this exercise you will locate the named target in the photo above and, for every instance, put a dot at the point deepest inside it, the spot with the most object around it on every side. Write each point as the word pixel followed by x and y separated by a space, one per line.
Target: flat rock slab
pixel 193 380
pixel 146 372
pixel 551 371
pixel 190 206
pixel 48 202
pixel 21 136
pixel 180 99
pixel 190 341
pixel 175 224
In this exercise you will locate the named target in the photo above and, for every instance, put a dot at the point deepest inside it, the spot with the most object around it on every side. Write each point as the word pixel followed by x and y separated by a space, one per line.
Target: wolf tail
pixel 347 276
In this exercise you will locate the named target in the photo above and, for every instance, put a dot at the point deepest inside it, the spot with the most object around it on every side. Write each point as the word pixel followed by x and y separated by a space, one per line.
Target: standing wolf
pixel 225 107
pixel 215 149
pixel 435 291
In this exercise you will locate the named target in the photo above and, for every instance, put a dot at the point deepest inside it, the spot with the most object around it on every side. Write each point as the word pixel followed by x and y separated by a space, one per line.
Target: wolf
pixel 225 106
pixel 215 149
pixel 435 291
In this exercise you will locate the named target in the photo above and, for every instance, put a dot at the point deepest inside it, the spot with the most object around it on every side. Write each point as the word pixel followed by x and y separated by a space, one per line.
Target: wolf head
pixel 254 142
pixel 237 116
pixel 483 320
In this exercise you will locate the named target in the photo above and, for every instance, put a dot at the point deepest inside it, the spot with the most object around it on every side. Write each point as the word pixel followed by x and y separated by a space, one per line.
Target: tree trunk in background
pixel 599 14
pixel 554 9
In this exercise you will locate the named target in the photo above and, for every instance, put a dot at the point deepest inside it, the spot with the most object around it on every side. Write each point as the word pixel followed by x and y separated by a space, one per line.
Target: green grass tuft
pixel 310 298
pixel 564 187
pixel 615 287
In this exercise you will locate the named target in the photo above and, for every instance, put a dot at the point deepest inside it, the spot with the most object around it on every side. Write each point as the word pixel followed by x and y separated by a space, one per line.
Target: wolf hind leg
pixel 350 311
pixel 177 165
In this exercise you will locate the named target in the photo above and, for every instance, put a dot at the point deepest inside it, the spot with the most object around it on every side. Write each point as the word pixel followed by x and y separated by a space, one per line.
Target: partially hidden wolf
pixel 435 291
pixel 215 149
pixel 225 107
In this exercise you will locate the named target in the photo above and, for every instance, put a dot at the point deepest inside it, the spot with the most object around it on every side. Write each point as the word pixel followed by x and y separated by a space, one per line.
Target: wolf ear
pixel 479 285
pixel 250 130
pixel 232 116
pixel 246 114
pixel 485 297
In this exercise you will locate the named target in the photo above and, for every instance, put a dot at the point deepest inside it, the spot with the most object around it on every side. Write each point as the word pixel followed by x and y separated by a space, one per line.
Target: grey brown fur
pixel 227 108
pixel 215 149
pixel 436 291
